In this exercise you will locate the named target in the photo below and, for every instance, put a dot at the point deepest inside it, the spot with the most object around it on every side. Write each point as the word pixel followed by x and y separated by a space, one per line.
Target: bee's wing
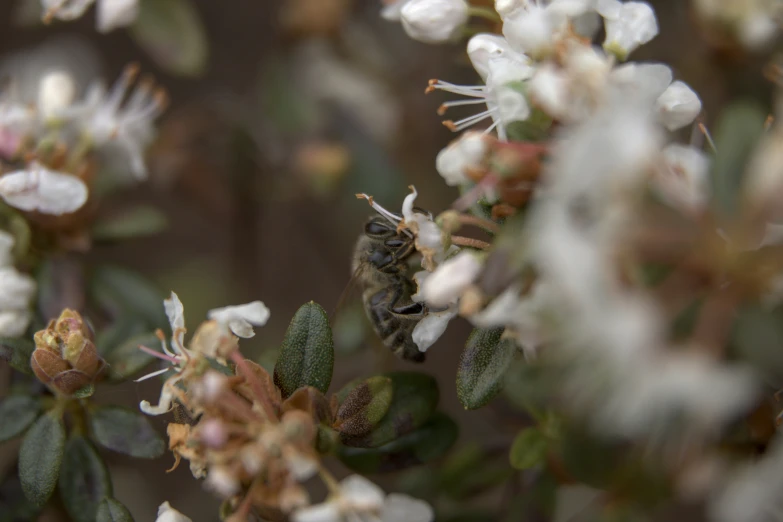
pixel 350 286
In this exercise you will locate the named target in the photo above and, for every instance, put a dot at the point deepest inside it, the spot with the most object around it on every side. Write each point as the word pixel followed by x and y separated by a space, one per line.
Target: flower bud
pixel 462 155
pixel 65 357
pixel 434 21
pixel 678 106
pixel 56 92
pixel 116 13
pixel 634 25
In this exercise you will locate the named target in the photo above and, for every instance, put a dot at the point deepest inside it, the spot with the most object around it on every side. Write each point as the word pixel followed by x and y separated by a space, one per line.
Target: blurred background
pixel 296 106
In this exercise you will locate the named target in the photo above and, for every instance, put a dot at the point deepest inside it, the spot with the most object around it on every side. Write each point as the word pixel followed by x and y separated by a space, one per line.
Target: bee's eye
pixel 378 228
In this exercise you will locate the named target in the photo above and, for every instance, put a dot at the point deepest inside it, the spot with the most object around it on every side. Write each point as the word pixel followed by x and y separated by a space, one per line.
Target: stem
pixel 489 226
pixel 470 242
pixel 329 480
pixel 255 385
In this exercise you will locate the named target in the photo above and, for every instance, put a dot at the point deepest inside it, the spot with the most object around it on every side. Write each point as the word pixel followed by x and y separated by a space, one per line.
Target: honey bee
pixel 380 266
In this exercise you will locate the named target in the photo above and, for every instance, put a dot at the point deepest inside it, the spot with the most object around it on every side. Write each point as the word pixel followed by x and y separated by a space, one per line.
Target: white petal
pixel 549 89
pixel 164 403
pixel 402 508
pixel 16 289
pixel 464 154
pixel 429 329
pixel 450 279
pixel 434 21
pixel 506 7
pixel 645 80
pixel 361 493
pixel 485 47
pixel 66 10
pixel 530 31
pixel 684 182
pixel 634 25
pixel 175 312
pixel 222 481
pixel 678 106
pixel 56 92
pixel 326 512
pixel 14 323
pixel 112 14
pixel 166 513
pixel 42 190
pixel 393 10
pixel 240 319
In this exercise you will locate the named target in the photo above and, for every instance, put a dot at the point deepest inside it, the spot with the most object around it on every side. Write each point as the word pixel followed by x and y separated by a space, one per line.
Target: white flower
pixel 166 513
pixel 505 102
pixel 484 47
pixel 116 13
pixel 448 282
pixel 38 189
pixel 392 9
pixel 429 329
pixel 533 30
pixel 434 21
pixel 111 13
pixel 14 323
pixel 16 289
pixel 632 26
pixel 359 500
pixel 56 93
pixel 678 106
pixel 127 127
pixel 462 155
pixel 683 181
pixel 241 319
pixel 429 238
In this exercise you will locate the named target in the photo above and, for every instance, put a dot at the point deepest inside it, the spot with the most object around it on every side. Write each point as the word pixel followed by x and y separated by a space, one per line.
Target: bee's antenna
pixel 395 219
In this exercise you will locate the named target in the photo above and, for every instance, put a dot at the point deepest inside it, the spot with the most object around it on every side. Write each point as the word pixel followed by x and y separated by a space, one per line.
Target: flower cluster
pixel 110 14
pixel 250 446
pixel 59 140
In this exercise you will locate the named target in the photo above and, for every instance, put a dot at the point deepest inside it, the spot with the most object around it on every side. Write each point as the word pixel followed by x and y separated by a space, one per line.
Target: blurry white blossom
pixel 360 500
pixel 484 47
pixel 683 179
pixel 628 27
pixel 448 282
pixel 17 291
pixel 392 9
pixel 56 93
pixel 464 154
pixel 434 21
pixel 678 106
pixel 755 23
pixel 166 513
pixel 38 189
pixel 111 14
pixel 242 318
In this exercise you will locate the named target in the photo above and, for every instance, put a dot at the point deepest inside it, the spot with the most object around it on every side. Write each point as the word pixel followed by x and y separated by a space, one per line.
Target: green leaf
pixel 172 32
pixel 413 403
pixel 483 364
pixel 126 293
pixel 17 353
pixel 131 223
pixel 307 353
pixel 40 457
pixel 424 445
pixel 126 431
pixel 127 360
pixel 114 335
pixel 758 339
pixel 111 510
pixel 739 128
pixel 365 406
pixel 17 412
pixel 529 449
pixel 84 480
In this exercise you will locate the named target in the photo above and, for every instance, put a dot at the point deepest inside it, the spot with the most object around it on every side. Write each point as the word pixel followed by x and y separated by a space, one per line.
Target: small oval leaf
pixel 529 449
pixel 84 480
pixel 111 510
pixel 40 457
pixel 307 354
pixel 483 364
pixel 17 353
pixel 414 400
pixel 130 223
pixel 17 412
pixel 427 443
pixel 127 432
pixel 127 360
pixel 172 33
pixel 365 406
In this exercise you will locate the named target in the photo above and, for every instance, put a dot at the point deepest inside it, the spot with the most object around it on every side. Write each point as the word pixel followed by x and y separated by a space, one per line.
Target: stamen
pixel 391 216
pixel 707 135
pixel 474 91
pixel 162 337
pixel 447 105
pixel 153 374
pixel 155 353
pixel 121 87
pixel 470 120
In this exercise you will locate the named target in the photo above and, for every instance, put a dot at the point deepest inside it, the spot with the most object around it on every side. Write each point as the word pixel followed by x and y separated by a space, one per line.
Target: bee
pixel 380 266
